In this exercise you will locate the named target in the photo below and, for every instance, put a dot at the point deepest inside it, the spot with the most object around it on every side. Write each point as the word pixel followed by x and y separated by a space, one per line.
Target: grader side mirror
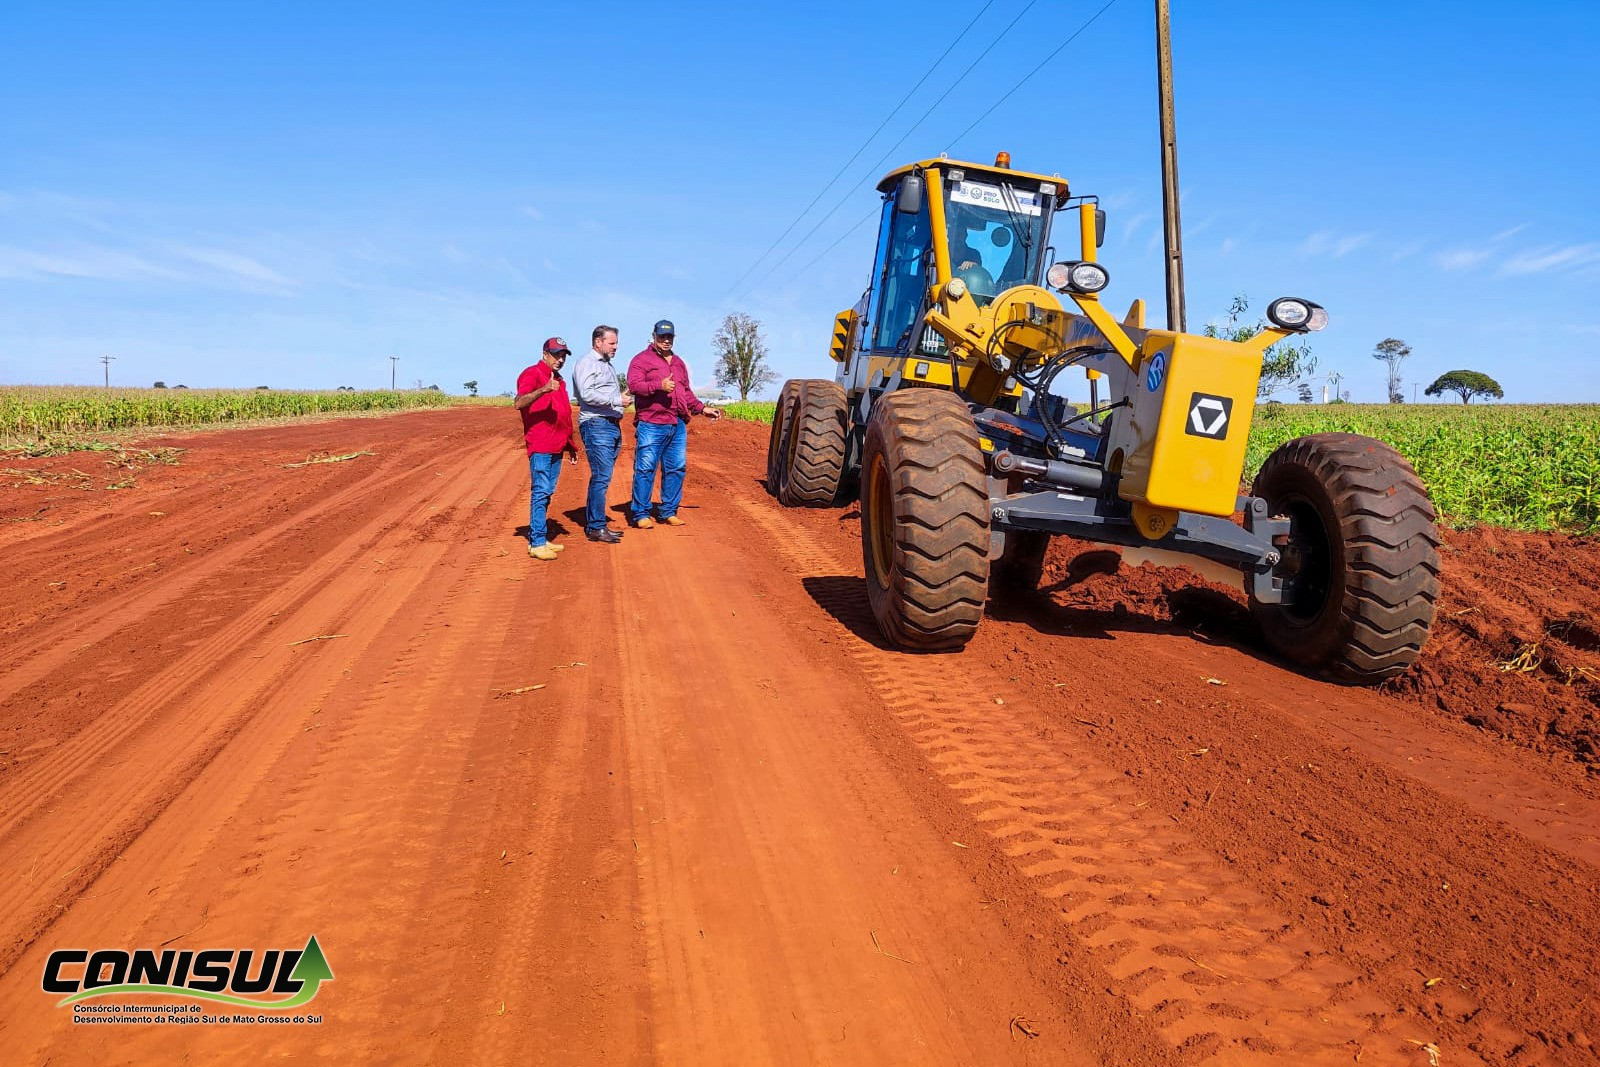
pixel 1099 227
pixel 909 199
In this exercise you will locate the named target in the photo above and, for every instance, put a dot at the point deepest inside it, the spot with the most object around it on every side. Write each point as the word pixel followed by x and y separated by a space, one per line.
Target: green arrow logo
pixel 310 970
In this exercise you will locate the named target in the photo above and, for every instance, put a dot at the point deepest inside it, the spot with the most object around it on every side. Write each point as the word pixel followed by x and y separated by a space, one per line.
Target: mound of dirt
pixel 1515 649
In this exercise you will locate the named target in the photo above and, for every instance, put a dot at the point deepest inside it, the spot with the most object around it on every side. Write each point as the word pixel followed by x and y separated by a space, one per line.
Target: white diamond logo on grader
pixel 1208 415
pixel 944 417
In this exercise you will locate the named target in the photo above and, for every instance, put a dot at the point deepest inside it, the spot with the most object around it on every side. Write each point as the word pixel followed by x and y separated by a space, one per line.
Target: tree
pixel 1467 384
pixel 1392 352
pixel 1305 392
pixel 159 385
pixel 1284 364
pixel 470 387
pixel 742 355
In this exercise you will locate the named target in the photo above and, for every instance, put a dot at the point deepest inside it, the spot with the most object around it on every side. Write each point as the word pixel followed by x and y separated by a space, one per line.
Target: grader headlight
pixel 1077 277
pixel 1297 315
pixel 955 288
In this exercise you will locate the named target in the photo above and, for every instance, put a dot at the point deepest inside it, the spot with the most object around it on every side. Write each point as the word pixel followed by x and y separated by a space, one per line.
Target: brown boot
pixel 673 520
pixel 545 552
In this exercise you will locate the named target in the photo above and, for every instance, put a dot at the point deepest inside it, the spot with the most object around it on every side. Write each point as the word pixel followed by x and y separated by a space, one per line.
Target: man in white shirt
pixel 601 403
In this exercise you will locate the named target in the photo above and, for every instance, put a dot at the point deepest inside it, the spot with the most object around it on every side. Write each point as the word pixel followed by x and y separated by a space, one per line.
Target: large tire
pixel 779 435
pixel 813 454
pixel 924 520
pixel 1362 562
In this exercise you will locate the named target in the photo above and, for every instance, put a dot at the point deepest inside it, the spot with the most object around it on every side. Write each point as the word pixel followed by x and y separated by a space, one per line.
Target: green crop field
pixel 1525 466
pixel 750 410
pixel 30 414
pixel 1529 467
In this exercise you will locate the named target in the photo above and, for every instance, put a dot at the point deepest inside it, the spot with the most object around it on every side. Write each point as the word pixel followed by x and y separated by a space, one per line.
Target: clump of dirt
pixel 1515 649
pixel 1516 646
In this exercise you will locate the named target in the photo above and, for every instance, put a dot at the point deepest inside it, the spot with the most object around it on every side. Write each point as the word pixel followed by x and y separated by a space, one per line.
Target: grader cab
pixel 943 415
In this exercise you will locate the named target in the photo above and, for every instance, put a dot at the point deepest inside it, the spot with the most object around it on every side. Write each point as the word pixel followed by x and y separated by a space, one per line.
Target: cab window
pixel 902 281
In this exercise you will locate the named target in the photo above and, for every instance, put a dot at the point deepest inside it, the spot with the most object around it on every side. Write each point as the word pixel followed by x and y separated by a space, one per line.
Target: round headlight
pixel 1001 363
pixel 1078 277
pixel 1319 319
pixel 955 289
pixel 1290 313
pixel 1089 277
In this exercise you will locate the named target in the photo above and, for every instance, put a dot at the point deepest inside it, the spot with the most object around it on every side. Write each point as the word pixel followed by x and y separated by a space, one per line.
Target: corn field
pixel 29 413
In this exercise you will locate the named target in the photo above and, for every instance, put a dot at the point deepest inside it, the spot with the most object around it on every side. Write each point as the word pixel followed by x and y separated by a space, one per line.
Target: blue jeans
pixel 667 447
pixel 543 470
pixel 602 440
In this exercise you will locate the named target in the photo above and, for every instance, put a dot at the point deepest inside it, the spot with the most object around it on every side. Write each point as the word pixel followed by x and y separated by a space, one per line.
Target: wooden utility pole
pixel 394 361
pixel 106 362
pixel 1169 172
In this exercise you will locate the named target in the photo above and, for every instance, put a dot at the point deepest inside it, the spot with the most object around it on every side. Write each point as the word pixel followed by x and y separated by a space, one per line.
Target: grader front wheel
pixel 1361 565
pixel 924 520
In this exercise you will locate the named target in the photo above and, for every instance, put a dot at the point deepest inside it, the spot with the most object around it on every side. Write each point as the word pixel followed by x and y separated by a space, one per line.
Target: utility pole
pixel 394 361
pixel 106 361
pixel 1169 172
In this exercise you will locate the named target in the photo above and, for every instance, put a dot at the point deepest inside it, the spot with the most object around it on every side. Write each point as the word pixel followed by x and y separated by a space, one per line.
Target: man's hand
pixel 668 385
pixel 712 413
pixel 571 454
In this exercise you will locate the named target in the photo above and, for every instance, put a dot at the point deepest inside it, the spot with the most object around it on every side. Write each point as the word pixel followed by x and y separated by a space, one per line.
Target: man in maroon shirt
pixel 547 431
pixel 663 403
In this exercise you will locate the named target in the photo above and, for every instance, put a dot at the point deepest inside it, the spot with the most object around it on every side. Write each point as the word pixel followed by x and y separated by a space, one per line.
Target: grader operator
pixel 942 414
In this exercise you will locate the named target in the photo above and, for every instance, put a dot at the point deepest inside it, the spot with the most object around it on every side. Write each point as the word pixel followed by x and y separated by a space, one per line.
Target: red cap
pixel 556 344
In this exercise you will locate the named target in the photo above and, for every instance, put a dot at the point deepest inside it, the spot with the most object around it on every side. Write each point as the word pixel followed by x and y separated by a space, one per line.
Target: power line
pixel 868 217
pixel 914 127
pixel 1008 94
pixel 832 181
pixel 1028 76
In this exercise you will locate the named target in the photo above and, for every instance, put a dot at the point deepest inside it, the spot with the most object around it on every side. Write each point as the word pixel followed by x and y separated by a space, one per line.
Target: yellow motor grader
pixel 942 414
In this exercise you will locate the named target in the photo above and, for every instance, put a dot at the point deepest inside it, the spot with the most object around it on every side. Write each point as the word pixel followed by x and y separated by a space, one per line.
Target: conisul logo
pixel 287 977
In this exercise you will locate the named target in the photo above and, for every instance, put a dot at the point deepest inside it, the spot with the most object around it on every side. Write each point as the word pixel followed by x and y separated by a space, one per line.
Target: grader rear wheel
pixel 924 520
pixel 779 434
pixel 1361 566
pixel 813 453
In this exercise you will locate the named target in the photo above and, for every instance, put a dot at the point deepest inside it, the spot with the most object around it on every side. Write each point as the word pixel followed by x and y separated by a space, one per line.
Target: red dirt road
pixel 243 703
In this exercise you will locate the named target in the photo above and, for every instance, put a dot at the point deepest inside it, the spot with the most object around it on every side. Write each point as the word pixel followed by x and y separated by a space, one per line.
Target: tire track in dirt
pixel 130 745
pixel 375 730
pixel 1223 975
pixel 54 646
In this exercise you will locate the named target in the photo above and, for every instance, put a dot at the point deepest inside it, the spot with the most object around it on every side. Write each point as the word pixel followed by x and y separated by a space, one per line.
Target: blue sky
pixel 237 194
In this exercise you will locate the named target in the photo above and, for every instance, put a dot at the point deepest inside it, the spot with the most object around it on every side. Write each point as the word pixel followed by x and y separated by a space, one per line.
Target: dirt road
pixel 672 802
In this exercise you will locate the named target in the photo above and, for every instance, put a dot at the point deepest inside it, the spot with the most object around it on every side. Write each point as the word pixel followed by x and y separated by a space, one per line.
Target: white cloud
pixel 1540 260
pixel 234 265
pixel 81 261
pixel 1460 258
pixel 1333 245
pixel 533 213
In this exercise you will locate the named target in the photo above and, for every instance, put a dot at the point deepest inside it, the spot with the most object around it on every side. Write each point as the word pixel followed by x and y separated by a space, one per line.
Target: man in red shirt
pixel 662 406
pixel 547 431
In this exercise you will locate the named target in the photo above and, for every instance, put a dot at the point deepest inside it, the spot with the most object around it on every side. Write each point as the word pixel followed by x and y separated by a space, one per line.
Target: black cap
pixel 664 328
